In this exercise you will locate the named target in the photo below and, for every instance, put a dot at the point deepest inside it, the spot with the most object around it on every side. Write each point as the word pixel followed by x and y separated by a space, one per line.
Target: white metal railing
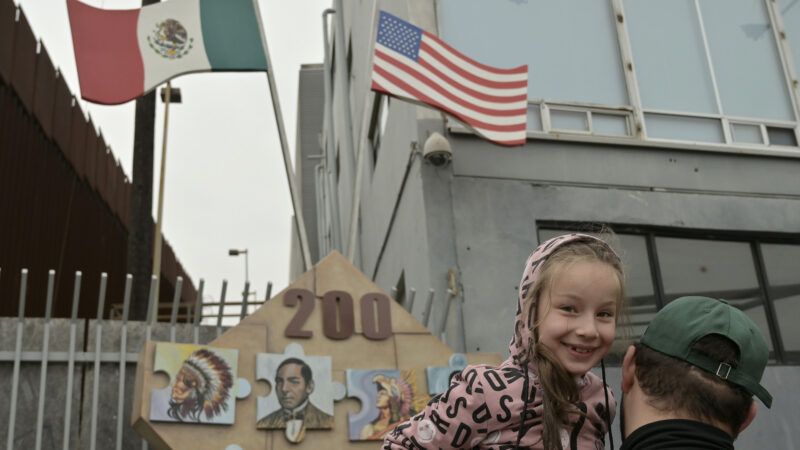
pixel 100 352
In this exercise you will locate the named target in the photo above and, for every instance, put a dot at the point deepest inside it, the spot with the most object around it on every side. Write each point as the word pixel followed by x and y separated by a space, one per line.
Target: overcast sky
pixel 225 182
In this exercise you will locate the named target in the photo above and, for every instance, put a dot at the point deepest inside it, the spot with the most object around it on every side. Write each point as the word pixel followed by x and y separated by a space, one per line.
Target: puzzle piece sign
pixel 388 397
pixel 333 310
pixel 439 377
pixel 203 385
pixel 301 395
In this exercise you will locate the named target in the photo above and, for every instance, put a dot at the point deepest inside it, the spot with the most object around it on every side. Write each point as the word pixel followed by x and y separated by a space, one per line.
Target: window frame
pixel 779 356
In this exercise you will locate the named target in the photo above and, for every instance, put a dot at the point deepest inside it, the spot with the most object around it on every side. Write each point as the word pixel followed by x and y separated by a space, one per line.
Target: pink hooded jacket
pixel 483 407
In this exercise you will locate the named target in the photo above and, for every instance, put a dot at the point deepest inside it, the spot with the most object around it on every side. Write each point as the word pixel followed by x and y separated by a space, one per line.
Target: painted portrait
pixel 388 398
pixel 201 388
pixel 301 394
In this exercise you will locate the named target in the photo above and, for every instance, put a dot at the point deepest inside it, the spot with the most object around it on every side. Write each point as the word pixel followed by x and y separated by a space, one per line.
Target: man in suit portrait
pixel 294 383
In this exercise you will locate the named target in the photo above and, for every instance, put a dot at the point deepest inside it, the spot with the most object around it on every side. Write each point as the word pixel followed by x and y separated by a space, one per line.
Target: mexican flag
pixel 122 54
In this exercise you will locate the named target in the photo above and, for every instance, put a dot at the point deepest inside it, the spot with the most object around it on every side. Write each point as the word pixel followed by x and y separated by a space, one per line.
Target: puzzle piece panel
pixel 439 377
pixel 388 397
pixel 302 392
pixel 201 387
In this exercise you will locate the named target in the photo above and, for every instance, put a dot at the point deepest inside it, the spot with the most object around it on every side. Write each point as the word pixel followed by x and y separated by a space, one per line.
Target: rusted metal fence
pixel 60 185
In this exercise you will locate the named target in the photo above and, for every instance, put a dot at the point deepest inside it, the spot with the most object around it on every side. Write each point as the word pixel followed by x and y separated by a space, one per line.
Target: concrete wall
pixel 82 385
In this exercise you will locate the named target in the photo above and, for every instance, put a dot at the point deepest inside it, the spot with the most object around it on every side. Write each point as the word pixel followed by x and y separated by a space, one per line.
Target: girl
pixel 543 396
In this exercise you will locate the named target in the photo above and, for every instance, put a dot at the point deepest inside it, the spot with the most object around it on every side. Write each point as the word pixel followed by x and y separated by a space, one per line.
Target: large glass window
pixel 745 58
pixel 673 73
pixel 718 269
pixel 782 263
pixel 710 61
pixel 570 46
pixel 756 274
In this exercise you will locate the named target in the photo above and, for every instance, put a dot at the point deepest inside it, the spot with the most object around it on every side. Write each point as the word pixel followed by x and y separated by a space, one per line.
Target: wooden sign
pixel 331 320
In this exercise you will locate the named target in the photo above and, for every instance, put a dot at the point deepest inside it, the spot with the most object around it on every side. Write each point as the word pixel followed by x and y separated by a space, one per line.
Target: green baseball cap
pixel 676 328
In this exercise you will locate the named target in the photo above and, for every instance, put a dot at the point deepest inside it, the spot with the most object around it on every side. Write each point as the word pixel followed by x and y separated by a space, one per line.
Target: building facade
pixel 674 123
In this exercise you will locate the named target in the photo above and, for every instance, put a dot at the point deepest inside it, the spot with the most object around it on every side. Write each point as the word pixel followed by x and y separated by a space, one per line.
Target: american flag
pixel 415 65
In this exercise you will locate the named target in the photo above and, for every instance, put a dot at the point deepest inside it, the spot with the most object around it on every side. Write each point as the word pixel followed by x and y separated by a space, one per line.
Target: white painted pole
pixel 287 164
pixel 157 244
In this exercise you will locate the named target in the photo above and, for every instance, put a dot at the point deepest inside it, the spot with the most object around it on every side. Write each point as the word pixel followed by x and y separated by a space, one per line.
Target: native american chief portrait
pixel 201 388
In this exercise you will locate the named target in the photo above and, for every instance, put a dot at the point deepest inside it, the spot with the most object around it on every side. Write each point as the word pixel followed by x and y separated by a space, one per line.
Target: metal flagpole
pixel 351 244
pixel 276 105
pixel 157 245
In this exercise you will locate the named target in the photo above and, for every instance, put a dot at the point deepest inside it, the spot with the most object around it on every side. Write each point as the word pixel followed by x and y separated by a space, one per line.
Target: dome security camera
pixel 437 150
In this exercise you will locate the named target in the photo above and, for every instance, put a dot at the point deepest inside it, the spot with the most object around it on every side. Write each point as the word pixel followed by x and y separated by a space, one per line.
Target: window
pixel 570 47
pixel 782 263
pixel 338 165
pixel 380 114
pixel 709 74
pixel 759 274
pixel 399 289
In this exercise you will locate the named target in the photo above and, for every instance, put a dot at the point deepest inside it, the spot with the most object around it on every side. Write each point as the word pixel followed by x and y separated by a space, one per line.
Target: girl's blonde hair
pixel 561 393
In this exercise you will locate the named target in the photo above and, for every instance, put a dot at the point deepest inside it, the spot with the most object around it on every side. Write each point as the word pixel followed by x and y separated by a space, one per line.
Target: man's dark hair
pixel 305 370
pixel 676 385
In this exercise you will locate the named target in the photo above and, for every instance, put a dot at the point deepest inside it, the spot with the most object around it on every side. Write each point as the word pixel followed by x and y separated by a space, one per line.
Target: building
pixel 676 123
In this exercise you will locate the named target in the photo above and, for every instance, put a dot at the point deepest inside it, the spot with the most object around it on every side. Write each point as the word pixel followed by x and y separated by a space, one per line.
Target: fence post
pixel 173 317
pixel 123 353
pixel 221 310
pixel 98 339
pixel 198 311
pixel 76 293
pixel 426 315
pixel 23 286
pixel 51 275
pixel 411 295
pixel 245 296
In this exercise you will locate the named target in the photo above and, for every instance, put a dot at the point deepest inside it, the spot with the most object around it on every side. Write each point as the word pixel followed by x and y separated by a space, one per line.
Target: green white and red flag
pixel 123 54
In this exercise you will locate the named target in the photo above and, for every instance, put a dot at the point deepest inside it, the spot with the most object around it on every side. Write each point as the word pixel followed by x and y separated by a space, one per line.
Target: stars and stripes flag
pixel 412 64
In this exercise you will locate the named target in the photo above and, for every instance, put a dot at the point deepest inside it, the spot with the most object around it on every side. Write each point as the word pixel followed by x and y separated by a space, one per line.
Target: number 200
pixel 338 314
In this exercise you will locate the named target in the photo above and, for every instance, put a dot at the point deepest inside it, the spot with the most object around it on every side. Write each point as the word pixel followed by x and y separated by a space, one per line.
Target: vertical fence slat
pixel 23 285
pixel 198 311
pixel 448 299
pixel 76 293
pixel 221 310
pixel 411 295
pixel 98 335
pixel 150 308
pixel 426 315
pixel 51 275
pixel 173 317
pixel 123 352
pixel 245 296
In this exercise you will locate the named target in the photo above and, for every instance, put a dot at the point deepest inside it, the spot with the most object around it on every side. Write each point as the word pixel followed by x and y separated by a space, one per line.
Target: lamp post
pixel 236 252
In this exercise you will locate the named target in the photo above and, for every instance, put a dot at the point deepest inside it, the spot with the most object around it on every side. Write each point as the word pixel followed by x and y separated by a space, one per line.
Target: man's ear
pixel 751 415
pixel 310 387
pixel 628 369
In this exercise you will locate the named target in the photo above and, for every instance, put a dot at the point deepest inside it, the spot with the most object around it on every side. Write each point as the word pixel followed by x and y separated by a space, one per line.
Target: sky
pixel 225 184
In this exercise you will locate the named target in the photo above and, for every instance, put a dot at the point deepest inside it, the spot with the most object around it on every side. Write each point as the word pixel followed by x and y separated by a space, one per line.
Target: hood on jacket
pixel 526 314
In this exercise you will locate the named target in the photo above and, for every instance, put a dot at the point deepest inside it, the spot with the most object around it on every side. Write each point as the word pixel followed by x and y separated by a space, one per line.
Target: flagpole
pixel 276 105
pixel 351 244
pixel 157 243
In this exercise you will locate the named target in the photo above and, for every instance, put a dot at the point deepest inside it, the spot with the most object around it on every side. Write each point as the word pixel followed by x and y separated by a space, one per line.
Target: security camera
pixel 437 150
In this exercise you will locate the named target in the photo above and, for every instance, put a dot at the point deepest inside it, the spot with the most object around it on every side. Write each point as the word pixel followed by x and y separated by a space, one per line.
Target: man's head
pixel 699 359
pixel 293 383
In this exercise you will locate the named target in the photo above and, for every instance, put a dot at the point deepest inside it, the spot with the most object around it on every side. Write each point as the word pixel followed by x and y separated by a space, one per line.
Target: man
pixel 690 382
pixel 293 384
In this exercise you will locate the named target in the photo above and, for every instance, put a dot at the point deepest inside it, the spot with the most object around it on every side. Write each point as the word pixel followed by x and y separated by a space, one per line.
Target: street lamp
pixel 235 252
